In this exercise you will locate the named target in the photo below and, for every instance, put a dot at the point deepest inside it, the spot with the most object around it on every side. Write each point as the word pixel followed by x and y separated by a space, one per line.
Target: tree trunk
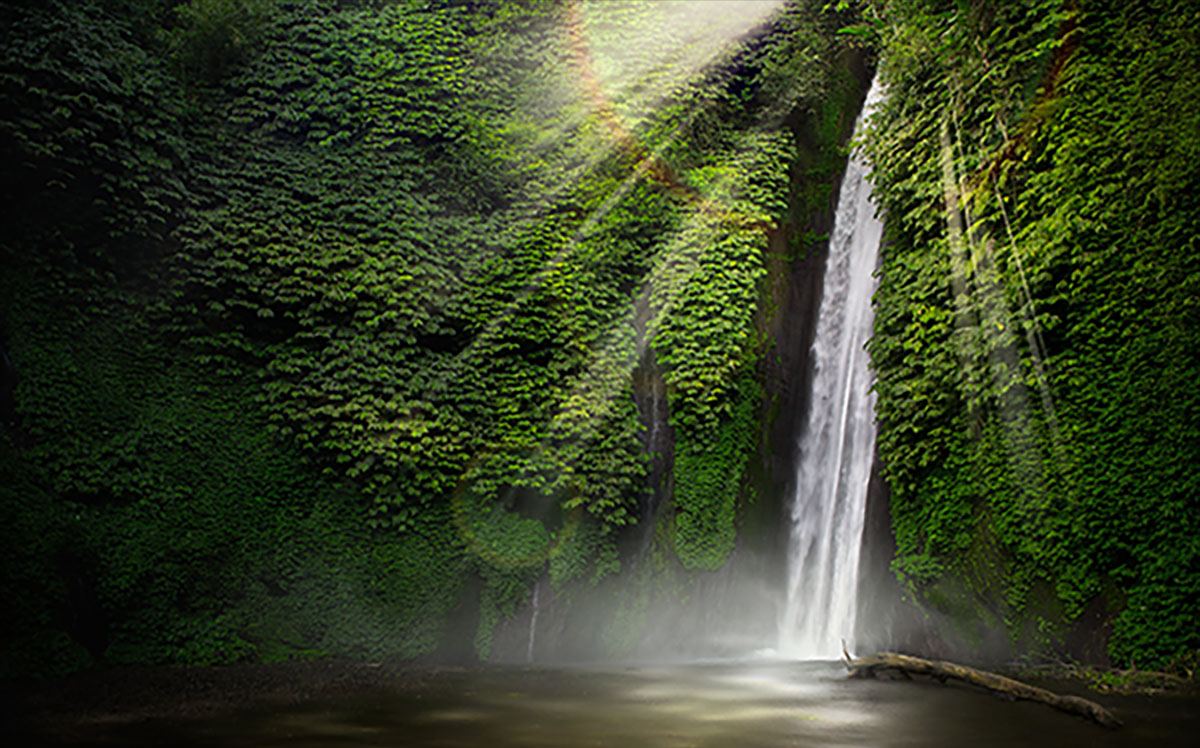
pixel 866 667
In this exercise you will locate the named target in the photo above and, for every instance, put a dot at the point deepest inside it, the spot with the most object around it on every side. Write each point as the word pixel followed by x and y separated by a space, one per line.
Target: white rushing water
pixel 838 441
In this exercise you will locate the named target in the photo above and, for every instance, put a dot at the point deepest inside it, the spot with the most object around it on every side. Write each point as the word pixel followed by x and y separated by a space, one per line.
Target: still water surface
pixel 719 704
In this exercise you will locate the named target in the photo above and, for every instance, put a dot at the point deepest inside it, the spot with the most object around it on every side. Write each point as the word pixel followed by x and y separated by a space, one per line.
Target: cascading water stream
pixel 533 622
pixel 838 441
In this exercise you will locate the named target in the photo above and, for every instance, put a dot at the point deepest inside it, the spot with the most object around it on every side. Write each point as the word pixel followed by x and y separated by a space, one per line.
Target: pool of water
pixel 715 704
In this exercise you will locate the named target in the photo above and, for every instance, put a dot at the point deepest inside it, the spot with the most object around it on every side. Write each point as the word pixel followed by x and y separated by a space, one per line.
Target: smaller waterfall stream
pixel 533 622
pixel 838 442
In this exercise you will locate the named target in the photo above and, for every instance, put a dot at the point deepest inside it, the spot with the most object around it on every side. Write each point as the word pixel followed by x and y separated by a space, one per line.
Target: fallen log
pixel 866 667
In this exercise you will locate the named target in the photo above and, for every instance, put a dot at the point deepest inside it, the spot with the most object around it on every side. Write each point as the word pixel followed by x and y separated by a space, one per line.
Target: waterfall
pixel 838 441
pixel 533 622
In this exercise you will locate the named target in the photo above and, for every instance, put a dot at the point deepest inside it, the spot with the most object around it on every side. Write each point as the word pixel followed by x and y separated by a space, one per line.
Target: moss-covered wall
pixel 668 600
pixel 322 317
pixel 331 327
pixel 1036 321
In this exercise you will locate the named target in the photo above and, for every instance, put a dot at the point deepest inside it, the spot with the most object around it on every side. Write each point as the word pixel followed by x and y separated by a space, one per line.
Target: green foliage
pixel 709 285
pixel 1036 365
pixel 90 135
pixel 587 547
pixel 213 36
pixel 320 309
pixel 36 533
pixel 709 473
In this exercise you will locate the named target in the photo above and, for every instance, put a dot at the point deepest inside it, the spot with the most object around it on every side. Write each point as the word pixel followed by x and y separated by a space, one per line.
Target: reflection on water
pixel 724 704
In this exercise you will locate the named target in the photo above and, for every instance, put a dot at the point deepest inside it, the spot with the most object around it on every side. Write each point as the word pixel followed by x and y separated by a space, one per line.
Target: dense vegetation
pixel 1038 329
pixel 321 320
pixel 322 315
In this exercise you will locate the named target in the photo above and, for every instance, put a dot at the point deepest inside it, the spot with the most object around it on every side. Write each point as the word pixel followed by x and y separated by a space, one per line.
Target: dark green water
pixel 728 704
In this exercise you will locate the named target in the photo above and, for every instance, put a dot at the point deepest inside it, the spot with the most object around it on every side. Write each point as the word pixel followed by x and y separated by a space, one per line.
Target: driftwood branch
pixel 866 667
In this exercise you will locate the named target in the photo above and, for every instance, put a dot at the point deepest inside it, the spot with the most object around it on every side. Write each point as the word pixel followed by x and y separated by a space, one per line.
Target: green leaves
pixel 213 36
pixel 1013 396
pixel 321 309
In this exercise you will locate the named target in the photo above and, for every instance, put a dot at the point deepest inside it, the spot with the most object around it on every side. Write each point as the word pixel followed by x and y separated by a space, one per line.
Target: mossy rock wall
pixel 322 319
pixel 1035 338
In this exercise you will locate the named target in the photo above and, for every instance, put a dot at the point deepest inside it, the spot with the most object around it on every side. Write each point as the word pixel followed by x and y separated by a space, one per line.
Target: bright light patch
pixel 644 63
